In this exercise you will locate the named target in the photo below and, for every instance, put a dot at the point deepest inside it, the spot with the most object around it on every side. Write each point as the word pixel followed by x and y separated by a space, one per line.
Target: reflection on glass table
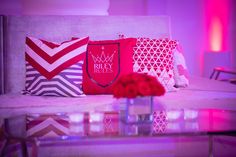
pixel 166 122
pixel 66 128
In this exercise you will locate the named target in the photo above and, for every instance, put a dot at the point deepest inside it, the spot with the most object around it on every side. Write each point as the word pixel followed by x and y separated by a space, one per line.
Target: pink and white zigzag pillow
pixel 54 69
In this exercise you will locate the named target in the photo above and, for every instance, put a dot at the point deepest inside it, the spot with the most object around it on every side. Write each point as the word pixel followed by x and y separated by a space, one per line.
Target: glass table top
pixel 164 123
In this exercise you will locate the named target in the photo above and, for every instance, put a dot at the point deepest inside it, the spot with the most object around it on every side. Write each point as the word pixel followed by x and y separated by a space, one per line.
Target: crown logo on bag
pixel 103 58
pixel 103 63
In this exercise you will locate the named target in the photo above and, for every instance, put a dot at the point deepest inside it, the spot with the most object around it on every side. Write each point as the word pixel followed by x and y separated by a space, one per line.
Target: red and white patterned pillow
pixel 181 74
pixel 155 57
pixel 54 69
pixel 106 61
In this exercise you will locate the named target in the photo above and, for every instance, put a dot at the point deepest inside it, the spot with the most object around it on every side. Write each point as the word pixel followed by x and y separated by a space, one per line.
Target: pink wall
pixel 233 32
pixel 128 7
pixel 54 7
pixel 189 21
pixel 63 7
pixel 187 27
pixel 10 7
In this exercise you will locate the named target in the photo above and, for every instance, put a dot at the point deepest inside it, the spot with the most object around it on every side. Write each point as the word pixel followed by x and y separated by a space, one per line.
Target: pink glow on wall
pixel 216 34
pixel 217 16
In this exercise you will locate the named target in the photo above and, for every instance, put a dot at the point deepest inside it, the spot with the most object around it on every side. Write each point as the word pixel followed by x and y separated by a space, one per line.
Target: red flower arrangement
pixel 137 84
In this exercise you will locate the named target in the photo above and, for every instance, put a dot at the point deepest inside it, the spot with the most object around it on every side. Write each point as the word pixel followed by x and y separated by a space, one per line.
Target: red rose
pixel 125 79
pixel 157 88
pixel 144 88
pixel 137 84
pixel 151 78
pixel 131 91
pixel 134 77
pixel 119 90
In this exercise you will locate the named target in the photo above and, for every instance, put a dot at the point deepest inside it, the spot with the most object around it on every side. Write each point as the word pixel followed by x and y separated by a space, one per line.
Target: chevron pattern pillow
pixel 54 69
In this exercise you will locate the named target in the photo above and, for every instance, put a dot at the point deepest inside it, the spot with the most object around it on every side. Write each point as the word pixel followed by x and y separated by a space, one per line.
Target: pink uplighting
pixel 217 16
pixel 216 34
